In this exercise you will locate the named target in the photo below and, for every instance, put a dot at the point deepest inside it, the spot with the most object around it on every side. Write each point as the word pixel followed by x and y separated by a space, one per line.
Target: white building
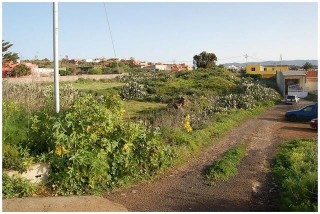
pixel 158 67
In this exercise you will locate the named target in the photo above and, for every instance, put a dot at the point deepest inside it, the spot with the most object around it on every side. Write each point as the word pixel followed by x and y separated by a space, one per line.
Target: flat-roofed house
pixel 292 83
pixel 265 71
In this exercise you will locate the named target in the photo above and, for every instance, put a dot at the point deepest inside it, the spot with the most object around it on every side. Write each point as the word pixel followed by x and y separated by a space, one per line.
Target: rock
pixel 134 191
pixel 256 187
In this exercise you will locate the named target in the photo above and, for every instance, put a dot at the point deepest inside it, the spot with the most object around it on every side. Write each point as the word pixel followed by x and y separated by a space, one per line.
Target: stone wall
pixel 61 78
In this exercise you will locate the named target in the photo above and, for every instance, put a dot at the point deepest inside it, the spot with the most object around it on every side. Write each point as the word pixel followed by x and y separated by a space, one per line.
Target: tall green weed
pixel 296 170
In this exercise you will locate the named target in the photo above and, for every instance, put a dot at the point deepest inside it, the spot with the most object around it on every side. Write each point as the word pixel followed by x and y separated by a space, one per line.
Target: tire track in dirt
pixel 252 189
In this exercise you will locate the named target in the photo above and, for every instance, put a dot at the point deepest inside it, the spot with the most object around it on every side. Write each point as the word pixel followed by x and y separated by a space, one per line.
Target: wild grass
pixel 296 170
pixel 188 145
pixel 98 87
pixel 226 167
pixel 135 109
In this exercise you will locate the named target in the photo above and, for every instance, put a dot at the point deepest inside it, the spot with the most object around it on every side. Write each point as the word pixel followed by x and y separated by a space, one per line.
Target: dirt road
pixel 185 188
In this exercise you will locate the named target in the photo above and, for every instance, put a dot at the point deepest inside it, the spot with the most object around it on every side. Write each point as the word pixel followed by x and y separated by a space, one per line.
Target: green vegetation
pixel 15 131
pixel 92 149
pixel 20 70
pixel 135 109
pixel 296 170
pixel 99 142
pixel 8 56
pixel 16 187
pixel 226 167
pixel 101 87
pixel 205 60
pixel 312 97
pixel 307 66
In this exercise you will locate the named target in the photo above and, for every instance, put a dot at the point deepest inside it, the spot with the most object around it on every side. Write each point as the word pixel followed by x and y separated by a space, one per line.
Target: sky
pixel 165 32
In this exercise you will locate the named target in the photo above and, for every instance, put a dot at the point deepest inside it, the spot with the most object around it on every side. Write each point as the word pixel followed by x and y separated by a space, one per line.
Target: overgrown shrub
pixel 246 95
pixel 15 128
pixel 132 89
pixel 16 187
pixel 296 170
pixel 20 70
pixel 91 148
pixel 95 71
pixel 65 72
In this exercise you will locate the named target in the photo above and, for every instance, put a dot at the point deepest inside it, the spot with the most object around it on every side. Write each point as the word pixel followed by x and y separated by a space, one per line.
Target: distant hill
pixel 284 62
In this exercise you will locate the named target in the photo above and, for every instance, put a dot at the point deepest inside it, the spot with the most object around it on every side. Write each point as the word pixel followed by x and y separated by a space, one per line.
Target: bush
pixel 296 170
pixel 15 132
pixel 95 71
pixel 133 88
pixel 16 187
pixel 246 95
pixel 21 70
pixel 92 149
pixel 66 72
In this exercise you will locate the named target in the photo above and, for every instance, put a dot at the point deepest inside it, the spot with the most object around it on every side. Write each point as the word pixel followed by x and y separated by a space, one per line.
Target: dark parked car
pixel 307 113
pixel 314 123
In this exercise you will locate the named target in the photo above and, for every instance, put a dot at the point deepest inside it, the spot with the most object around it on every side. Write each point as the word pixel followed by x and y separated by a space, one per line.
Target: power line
pixel 256 58
pixel 114 50
pixel 231 57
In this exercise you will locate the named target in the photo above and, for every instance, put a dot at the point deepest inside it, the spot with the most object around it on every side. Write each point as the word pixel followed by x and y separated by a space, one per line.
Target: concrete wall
pixel 37 173
pixel 281 83
pixel 300 94
pixel 312 86
pixel 61 78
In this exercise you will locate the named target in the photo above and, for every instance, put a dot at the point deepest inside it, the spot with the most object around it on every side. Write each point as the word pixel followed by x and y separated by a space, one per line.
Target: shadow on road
pixel 273 119
pixel 298 129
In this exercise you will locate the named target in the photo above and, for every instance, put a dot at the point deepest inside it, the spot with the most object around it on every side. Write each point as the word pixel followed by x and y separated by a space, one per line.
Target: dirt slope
pixel 185 189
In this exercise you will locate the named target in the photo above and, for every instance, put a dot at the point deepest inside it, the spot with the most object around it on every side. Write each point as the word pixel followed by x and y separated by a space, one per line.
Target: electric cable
pixel 109 28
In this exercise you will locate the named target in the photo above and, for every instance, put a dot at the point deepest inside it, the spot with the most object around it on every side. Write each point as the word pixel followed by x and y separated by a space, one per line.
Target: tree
pixel 20 70
pixel 6 55
pixel 205 60
pixel 293 67
pixel 307 66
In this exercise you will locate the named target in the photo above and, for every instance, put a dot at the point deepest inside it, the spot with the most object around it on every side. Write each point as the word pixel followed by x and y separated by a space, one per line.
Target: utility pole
pixel 246 56
pixel 280 62
pixel 55 56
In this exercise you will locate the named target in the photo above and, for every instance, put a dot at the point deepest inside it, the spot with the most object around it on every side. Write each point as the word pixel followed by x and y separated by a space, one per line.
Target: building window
pixel 253 69
pixel 273 69
pixel 265 69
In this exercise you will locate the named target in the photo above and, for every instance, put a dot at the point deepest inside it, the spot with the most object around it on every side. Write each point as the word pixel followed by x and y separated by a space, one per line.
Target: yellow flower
pixel 186 124
pixel 60 150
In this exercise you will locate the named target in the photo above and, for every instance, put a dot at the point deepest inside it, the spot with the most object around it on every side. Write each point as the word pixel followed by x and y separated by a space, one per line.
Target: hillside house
pixel 8 67
pixel 181 67
pixel 266 71
pixel 157 67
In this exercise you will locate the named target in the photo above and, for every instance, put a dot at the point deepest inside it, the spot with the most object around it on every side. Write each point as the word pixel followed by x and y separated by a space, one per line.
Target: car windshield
pixel 291 97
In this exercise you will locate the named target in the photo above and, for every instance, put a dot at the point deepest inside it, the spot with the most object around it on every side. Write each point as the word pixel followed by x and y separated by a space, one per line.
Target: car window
pixel 308 109
pixel 291 97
